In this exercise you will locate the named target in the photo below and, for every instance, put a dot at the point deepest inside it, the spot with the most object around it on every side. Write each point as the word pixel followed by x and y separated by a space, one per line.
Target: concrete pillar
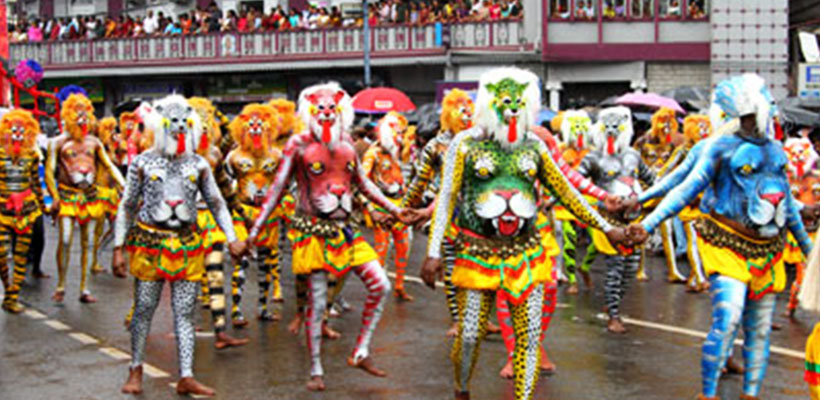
pixel 554 88
pixel 450 73
pixel 638 85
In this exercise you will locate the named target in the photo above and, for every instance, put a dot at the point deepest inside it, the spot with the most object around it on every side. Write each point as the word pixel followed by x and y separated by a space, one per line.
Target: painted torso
pixel 498 188
pixel 168 188
pixel 254 174
pixel 325 178
pixel 385 171
pixel 620 174
pixel 17 172
pixel 77 161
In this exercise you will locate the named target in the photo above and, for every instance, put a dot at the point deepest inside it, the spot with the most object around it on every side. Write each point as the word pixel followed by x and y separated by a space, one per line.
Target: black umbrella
pixel 127 105
pixel 796 112
pixel 686 94
pixel 427 124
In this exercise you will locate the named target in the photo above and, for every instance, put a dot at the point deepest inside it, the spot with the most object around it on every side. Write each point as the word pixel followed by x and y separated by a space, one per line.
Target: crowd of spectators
pixel 211 19
pixel 612 9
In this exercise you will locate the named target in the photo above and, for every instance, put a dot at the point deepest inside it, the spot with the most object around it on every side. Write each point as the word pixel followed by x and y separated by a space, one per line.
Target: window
pixel 585 9
pixel 614 9
pixel 559 9
pixel 642 9
pixel 671 9
pixel 698 9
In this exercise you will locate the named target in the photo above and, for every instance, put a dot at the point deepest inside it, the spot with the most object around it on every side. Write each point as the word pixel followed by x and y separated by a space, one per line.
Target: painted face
pixel 664 125
pixel 508 104
pixel 760 174
pixel 179 126
pixel 457 112
pixel 326 114
pixel 801 155
pixel 387 175
pixel 575 128
pixel 18 131
pixel 614 130
pixel 255 128
pixel 696 128
pixel 211 134
pixel 391 128
pixel 329 174
pixel 78 116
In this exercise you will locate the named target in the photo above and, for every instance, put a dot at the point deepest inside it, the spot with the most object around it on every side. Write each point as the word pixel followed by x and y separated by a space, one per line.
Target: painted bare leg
pixel 66 232
pixel 86 231
pixel 96 268
pixel 378 286
pixel 146 299
pixel 183 303
pixel 317 303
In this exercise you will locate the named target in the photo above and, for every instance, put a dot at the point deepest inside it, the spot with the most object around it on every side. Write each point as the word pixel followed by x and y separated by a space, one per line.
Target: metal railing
pixel 387 41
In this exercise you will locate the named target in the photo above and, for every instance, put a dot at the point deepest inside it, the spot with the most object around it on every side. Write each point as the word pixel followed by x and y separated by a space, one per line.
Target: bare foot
pixel 279 299
pixel 776 326
pixel 316 384
pixel 462 395
pixel 329 333
pixel 366 365
pixel 295 325
pixel 547 367
pixel 676 279
pixel 40 275
pixel 58 296
pixel 96 269
pixel 453 331
pixel 492 329
pixel 642 277
pixel 615 325
pixel 240 322
pixel 733 367
pixel 402 295
pixel 13 306
pixel 507 372
pixel 223 341
pixel 573 288
pixel 87 298
pixel 134 383
pixel 191 386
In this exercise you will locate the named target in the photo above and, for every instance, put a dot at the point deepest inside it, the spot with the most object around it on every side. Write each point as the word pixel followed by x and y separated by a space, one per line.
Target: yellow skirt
pixel 243 222
pixel 792 254
pixel 84 205
pixel 110 199
pixel 690 213
pixel 160 254
pixel 516 275
pixel 763 275
pixel 208 229
pixel 812 365
pixel 335 255
pixel 29 211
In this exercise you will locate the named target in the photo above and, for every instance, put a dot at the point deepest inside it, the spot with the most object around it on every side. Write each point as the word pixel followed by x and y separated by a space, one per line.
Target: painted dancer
pixel 491 170
pixel 324 164
pixel 71 171
pixel 457 111
pixel 106 189
pixel 253 165
pixel 748 208
pixel 157 224
pixel 213 239
pixel 382 165
pixel 805 187
pixel 21 197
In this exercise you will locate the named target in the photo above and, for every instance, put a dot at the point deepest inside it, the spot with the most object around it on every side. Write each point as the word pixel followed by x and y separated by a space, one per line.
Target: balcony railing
pixel 387 41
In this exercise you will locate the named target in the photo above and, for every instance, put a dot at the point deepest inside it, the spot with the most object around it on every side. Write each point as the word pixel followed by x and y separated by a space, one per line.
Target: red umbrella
pixel 381 100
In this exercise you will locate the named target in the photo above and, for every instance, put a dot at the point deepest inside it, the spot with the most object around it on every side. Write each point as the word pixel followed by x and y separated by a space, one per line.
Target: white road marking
pixel 115 353
pixel 34 314
pixel 83 338
pixel 414 279
pixel 153 371
pixel 699 334
pixel 54 324
pixel 208 334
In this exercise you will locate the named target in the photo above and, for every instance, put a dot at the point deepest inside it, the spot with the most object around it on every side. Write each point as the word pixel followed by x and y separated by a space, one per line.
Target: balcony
pixel 269 50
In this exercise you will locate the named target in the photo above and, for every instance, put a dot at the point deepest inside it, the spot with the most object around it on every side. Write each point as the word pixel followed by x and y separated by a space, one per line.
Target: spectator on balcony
pixel 186 23
pixel 99 29
pixel 162 23
pixel 384 11
pixel 336 19
pixel 242 22
pixel 229 23
pixel 136 30
pixel 35 33
pixel 696 9
pixel 414 13
pixel 110 28
pixel 585 9
pixel 150 24
pixel 401 16
pixel 495 11
pixel 293 19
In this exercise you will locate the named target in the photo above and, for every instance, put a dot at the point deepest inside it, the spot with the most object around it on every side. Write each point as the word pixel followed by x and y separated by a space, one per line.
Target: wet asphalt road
pixel 38 361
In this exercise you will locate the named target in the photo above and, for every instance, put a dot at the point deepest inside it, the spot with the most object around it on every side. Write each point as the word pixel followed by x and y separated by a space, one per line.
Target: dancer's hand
pixel 55 208
pixel 118 263
pixel 431 271
pixel 636 233
pixel 380 218
pixel 626 203
pixel 238 248
pixel 409 216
